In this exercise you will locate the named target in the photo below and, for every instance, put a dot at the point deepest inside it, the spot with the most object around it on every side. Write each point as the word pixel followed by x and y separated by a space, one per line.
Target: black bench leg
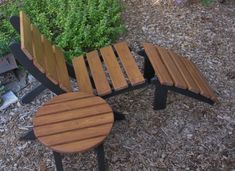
pixel 101 157
pixel 160 97
pixel 118 116
pixel 148 68
pixel 31 95
pixel 58 161
pixel 28 136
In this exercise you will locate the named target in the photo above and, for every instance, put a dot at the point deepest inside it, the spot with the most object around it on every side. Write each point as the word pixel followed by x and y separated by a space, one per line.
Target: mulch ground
pixel 188 135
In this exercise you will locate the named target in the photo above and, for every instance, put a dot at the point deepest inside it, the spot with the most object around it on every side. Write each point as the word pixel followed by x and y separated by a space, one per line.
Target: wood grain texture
pixel 196 78
pixel 129 63
pixel 203 82
pixel 69 105
pixel 158 66
pixel 38 60
pixel 70 96
pixel 98 75
pixel 26 35
pixel 113 67
pixel 50 60
pixel 62 71
pixel 172 68
pixel 192 86
pixel 77 128
pixel 82 75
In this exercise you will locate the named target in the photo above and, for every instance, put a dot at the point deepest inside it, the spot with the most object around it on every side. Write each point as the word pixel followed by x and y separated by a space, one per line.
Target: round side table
pixel 72 123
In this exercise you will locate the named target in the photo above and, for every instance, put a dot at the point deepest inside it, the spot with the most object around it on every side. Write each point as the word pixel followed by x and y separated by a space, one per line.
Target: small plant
pixel 77 26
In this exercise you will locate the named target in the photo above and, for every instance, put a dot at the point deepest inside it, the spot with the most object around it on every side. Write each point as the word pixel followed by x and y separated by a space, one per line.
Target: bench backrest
pixel 48 58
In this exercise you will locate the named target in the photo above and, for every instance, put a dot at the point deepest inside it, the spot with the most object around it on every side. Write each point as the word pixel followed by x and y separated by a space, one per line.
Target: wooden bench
pixel 108 71
pixel 72 123
pixel 105 72
pixel 176 73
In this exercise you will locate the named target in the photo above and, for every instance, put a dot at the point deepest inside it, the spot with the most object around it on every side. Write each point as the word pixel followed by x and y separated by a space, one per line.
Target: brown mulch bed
pixel 188 135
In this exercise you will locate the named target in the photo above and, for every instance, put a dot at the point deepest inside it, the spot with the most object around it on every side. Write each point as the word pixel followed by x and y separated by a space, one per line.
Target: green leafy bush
pixel 77 26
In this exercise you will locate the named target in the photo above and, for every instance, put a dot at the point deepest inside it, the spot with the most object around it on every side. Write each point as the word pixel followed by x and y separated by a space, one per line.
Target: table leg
pixel 58 161
pixel 101 157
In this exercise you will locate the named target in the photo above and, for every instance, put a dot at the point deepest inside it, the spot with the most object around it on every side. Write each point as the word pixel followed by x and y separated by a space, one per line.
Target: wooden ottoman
pixel 72 123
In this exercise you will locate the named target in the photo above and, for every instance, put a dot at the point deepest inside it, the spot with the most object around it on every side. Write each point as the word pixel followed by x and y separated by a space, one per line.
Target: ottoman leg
pixel 118 116
pixel 160 97
pixel 101 157
pixel 58 161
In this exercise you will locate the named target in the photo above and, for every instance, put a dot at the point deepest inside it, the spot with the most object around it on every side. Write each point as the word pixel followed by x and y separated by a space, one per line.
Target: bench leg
pixel 34 93
pixel 148 68
pixel 58 161
pixel 160 97
pixel 118 116
pixel 101 157
pixel 28 136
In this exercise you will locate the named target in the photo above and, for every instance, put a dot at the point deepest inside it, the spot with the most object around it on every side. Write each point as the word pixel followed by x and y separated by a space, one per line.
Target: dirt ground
pixel 188 135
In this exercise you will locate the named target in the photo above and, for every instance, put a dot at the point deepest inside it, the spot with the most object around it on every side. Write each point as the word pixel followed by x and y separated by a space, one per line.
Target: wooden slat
pixel 192 86
pixel 72 114
pixel 50 60
pixel 39 60
pixel 79 145
pixel 68 97
pixel 82 75
pixel 172 68
pixel 196 78
pixel 158 66
pixel 62 71
pixel 204 82
pixel 101 83
pixel 75 124
pixel 71 136
pixel 113 67
pixel 69 105
pixel 26 35
pixel 129 63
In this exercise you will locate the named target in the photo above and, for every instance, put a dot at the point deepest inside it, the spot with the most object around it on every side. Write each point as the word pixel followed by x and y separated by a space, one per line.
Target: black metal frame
pixel 100 158
pixel 160 96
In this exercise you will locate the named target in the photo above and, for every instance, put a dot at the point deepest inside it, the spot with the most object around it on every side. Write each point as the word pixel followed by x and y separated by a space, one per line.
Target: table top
pixel 73 122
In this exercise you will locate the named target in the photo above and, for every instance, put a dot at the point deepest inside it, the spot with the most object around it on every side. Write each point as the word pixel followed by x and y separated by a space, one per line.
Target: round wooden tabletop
pixel 73 122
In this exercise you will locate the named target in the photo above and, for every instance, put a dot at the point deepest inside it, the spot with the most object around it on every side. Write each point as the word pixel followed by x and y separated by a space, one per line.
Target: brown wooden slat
pixel 62 71
pixel 69 105
pixel 26 35
pixel 82 75
pixel 158 66
pixel 75 124
pixel 196 78
pixel 192 86
pixel 101 83
pixel 129 63
pixel 39 60
pixel 68 97
pixel 204 82
pixel 71 136
pixel 113 67
pixel 172 68
pixel 79 145
pixel 72 114
pixel 50 60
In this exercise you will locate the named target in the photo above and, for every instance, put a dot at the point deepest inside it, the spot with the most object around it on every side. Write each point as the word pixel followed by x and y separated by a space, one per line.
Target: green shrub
pixel 77 26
